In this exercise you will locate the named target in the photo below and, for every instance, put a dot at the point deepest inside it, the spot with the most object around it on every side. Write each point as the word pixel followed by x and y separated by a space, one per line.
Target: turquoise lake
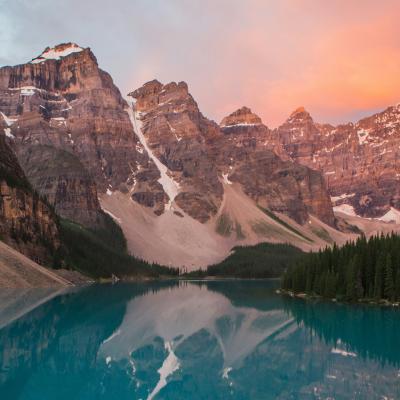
pixel 193 340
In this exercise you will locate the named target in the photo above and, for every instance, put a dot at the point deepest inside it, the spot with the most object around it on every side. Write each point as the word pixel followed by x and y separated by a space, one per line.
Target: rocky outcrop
pixel 247 129
pixel 71 127
pixel 64 100
pixel 199 155
pixel 240 117
pixel 27 223
pixel 179 136
pixel 247 156
pixel 60 177
pixel 360 162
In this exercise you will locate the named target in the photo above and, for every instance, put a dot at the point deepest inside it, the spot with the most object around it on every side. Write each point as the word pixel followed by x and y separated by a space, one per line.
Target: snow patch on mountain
pixel 171 188
pixel 8 133
pixel 226 179
pixel 392 215
pixel 362 135
pixel 9 121
pixel 57 53
pixel 58 121
pixel 239 124
pixel 334 199
pixel 345 209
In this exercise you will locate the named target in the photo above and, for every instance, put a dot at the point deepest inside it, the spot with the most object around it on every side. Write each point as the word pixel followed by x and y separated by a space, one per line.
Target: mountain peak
pixel 299 110
pixel 57 52
pixel 300 114
pixel 242 116
pixel 155 87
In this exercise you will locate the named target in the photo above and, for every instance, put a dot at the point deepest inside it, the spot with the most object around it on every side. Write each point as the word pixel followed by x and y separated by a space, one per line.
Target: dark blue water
pixel 216 340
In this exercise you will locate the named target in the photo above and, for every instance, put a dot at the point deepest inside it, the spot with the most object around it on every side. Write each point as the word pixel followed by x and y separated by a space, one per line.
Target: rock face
pixel 360 162
pixel 63 180
pixel 247 129
pixel 179 136
pixel 242 116
pixel 77 139
pixel 200 156
pixel 247 156
pixel 73 132
pixel 27 223
pixel 62 99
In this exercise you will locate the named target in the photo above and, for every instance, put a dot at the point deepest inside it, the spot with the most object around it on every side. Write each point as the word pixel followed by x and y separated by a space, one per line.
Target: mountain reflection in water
pixel 194 340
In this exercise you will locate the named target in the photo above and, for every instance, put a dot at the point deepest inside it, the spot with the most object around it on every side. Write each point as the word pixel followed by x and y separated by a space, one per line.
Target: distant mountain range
pixel 183 188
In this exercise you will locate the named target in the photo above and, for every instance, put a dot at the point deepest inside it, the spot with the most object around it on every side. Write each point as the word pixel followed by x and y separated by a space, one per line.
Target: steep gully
pixel 171 188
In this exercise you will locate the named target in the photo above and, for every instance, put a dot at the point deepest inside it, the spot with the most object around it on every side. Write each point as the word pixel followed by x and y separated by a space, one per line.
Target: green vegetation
pixel 13 180
pixel 322 233
pixel 102 252
pixel 224 225
pixel 17 181
pixel 283 223
pixel 264 260
pixel 263 229
pixel 239 232
pixel 20 233
pixel 361 270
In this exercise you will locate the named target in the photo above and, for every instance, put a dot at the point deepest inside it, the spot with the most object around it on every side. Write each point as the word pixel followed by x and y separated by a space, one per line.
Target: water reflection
pixel 214 340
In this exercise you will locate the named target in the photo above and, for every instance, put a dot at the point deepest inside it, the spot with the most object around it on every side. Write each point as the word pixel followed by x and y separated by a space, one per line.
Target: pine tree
pixel 353 280
pixel 388 290
pixel 379 272
pixel 397 286
pixel 361 269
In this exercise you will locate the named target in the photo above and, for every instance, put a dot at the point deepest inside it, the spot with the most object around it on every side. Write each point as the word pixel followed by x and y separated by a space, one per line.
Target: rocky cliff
pixel 174 179
pixel 248 155
pixel 71 128
pixel 179 136
pixel 27 223
pixel 200 156
pixel 63 180
pixel 62 99
pixel 360 162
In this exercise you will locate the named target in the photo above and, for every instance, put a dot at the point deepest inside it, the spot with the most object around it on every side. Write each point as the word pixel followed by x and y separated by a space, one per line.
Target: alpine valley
pixel 184 190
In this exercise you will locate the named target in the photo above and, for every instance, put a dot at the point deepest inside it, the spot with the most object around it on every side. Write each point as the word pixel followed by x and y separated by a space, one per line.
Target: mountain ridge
pixel 155 162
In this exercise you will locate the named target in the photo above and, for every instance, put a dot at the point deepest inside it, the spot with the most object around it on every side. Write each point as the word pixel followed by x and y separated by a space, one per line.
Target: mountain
pixel 223 185
pixel 275 184
pixel 199 156
pixel 360 162
pixel 177 136
pixel 184 189
pixel 64 103
pixel 27 222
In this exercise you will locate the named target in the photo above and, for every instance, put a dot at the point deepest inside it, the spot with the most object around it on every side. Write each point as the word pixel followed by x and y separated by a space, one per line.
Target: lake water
pixel 215 340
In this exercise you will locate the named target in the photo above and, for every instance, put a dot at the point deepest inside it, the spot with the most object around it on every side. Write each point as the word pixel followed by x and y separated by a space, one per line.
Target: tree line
pixel 364 269
pixel 264 260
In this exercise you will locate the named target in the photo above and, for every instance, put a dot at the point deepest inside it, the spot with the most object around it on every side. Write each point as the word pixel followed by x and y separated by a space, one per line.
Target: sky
pixel 340 59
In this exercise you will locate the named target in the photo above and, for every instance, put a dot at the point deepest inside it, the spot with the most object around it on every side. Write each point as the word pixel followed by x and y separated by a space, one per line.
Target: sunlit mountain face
pixel 214 340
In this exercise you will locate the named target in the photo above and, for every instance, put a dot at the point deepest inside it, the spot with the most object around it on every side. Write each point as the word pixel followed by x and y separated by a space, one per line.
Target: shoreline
pixel 310 297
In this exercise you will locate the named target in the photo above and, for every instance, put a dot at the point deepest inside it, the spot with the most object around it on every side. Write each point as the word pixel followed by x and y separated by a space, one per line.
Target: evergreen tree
pixel 379 273
pixel 388 290
pixel 361 269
